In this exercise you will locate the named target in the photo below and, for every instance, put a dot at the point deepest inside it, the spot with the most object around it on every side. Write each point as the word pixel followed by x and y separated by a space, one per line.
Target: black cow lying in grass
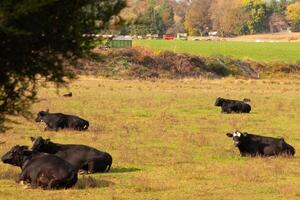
pixel 70 94
pixel 40 169
pixel 56 121
pixel 82 157
pixel 255 145
pixel 232 106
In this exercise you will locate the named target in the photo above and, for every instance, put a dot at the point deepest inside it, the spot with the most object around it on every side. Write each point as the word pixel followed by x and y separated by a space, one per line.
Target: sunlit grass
pixel 168 139
pixel 282 51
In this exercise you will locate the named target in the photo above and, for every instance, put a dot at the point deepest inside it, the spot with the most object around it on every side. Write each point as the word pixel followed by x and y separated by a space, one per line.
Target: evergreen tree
pixel 167 15
pixel 36 36
pixel 149 22
pixel 257 11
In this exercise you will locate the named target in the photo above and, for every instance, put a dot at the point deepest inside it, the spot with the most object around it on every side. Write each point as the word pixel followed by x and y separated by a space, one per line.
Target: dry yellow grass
pixel 270 36
pixel 168 140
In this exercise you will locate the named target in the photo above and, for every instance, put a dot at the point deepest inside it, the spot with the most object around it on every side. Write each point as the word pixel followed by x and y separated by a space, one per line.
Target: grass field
pixel 168 140
pixel 281 51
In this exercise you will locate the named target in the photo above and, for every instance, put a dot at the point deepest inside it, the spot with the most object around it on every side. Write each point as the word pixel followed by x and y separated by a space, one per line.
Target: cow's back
pixel 77 155
pixel 47 161
pixel 268 146
pixel 56 120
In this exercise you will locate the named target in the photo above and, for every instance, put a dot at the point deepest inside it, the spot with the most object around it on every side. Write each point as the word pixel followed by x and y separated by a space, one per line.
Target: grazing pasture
pixel 261 51
pixel 168 140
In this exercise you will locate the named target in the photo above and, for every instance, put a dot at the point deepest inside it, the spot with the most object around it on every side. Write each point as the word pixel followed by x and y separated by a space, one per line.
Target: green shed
pixel 121 42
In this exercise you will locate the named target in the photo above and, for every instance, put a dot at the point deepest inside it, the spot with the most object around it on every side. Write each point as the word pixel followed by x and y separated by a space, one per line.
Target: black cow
pixel 70 94
pixel 56 121
pixel 255 145
pixel 40 169
pixel 82 157
pixel 232 106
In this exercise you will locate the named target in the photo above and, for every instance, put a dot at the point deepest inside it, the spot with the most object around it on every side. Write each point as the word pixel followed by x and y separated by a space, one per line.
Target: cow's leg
pixel 223 110
pixel 43 180
pixel 34 179
pixel 23 177
pixel 53 184
pixel 92 166
pixel 83 169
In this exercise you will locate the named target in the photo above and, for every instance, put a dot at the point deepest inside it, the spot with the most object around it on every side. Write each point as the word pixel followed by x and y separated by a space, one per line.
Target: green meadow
pixel 259 51
pixel 168 139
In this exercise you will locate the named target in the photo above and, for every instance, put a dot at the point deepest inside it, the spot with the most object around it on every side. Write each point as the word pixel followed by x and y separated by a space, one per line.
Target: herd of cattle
pixel 52 165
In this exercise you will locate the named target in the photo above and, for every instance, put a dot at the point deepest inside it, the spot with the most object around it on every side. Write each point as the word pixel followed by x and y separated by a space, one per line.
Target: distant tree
pixel 167 15
pixel 197 20
pixel 257 10
pixel 180 9
pixel 149 22
pixel 275 6
pixel 36 38
pixel 233 17
pixel 293 15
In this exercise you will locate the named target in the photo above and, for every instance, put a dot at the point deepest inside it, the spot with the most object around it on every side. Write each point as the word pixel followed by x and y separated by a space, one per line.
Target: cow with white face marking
pixel 256 145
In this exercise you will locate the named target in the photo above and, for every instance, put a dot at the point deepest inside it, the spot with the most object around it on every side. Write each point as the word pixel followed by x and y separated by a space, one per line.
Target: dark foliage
pixel 37 37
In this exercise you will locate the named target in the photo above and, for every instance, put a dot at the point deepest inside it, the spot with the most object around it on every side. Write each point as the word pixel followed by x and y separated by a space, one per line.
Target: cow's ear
pixel 229 134
pixel 47 110
pixel 32 139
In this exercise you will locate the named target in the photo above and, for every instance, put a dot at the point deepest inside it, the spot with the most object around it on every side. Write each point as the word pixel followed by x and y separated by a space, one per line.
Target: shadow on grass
pixel 124 170
pixel 91 182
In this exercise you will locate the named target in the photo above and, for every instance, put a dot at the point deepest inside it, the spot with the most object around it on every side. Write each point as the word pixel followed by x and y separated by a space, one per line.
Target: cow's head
pixel 237 137
pixel 42 145
pixel 219 101
pixel 40 115
pixel 16 155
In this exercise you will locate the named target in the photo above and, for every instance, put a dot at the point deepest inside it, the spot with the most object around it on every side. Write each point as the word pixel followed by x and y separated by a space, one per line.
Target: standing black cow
pixel 40 169
pixel 232 106
pixel 83 157
pixel 255 145
pixel 56 121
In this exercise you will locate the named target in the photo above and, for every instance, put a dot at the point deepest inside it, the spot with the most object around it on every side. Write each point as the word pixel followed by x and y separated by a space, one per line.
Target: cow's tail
pixel 249 108
pixel 109 162
pixel 291 150
pixel 86 125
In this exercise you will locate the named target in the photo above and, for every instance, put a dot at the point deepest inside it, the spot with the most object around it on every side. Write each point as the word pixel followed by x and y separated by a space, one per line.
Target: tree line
pixel 198 17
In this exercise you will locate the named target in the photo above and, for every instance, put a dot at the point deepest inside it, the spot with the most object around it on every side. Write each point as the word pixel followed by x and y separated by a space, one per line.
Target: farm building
pixel 121 42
